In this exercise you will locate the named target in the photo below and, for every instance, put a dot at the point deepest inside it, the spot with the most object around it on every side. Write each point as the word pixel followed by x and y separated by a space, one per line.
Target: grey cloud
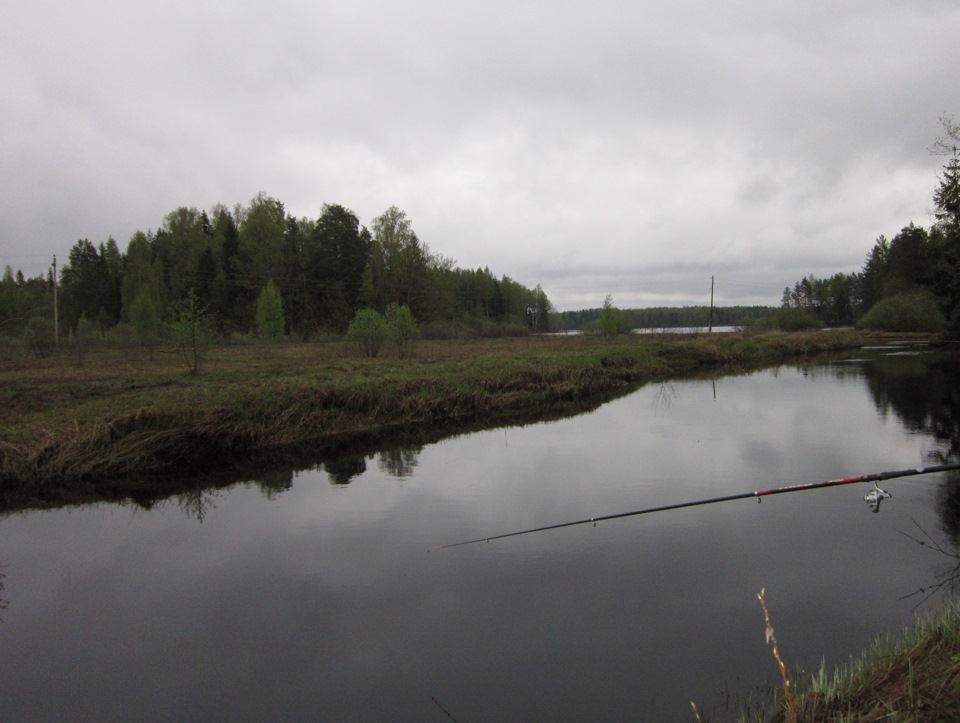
pixel 548 141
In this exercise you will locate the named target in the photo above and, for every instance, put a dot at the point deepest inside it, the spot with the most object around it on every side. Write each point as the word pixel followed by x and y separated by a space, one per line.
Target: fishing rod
pixel 758 494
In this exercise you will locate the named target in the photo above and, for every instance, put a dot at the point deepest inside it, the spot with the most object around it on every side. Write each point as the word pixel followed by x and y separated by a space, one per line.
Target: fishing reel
pixel 874 497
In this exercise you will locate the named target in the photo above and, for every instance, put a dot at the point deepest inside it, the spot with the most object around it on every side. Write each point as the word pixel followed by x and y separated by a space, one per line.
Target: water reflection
pixel 197 503
pixel 3 600
pixel 923 392
pixel 665 396
pixel 947 580
pixel 275 482
pixel 344 469
pixel 399 461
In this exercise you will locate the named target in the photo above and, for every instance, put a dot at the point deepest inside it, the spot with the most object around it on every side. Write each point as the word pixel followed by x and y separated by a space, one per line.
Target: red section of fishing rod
pixel 875 477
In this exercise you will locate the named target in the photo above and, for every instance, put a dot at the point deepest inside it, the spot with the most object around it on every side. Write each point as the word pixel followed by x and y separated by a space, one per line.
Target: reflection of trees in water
pixel 3 600
pixel 665 396
pixel 923 391
pixel 197 503
pixel 274 482
pixel 948 580
pixel 948 505
pixel 343 469
pixel 399 461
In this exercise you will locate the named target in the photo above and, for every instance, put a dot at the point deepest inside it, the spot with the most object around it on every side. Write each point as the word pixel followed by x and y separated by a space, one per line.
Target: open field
pixel 120 416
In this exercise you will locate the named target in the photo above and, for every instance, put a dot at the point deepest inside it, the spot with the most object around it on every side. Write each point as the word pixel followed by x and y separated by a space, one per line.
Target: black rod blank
pixel 758 494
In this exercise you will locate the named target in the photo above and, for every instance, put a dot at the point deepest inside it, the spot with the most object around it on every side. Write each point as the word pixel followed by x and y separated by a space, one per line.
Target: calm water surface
pixel 311 595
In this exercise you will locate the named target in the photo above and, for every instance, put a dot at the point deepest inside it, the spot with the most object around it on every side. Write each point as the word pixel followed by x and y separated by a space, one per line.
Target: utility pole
pixel 56 317
pixel 710 329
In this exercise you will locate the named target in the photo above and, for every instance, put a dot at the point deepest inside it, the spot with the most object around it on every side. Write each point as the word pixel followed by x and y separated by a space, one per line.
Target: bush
pixel 402 329
pixel 367 331
pixel 916 311
pixel 788 318
pixel 611 320
pixel 191 331
pixel 38 334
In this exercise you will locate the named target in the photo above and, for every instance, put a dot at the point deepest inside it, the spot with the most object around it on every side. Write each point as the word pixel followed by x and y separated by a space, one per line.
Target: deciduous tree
pixel 270 320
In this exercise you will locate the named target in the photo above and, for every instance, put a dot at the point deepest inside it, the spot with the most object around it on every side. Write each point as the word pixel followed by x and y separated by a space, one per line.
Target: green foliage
pixel 402 329
pixel 91 281
pixel 367 331
pixel 190 327
pixel 270 321
pixel 340 253
pixel 325 269
pixel 144 315
pixel 665 317
pixel 38 335
pixel 912 312
pixel 85 335
pixel 790 319
pixel 610 321
pixel 21 299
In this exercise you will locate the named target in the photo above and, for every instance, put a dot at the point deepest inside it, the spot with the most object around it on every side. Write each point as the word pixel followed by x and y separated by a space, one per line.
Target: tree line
pixel 322 269
pixel 911 282
pixel 661 317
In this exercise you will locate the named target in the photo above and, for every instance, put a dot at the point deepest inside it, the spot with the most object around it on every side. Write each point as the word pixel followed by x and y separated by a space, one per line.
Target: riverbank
pixel 910 676
pixel 70 430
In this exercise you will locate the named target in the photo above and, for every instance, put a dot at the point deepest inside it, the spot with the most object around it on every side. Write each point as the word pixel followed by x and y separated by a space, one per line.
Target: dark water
pixel 313 597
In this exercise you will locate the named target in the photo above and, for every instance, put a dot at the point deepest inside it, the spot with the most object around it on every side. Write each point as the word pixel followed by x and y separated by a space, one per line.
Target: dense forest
pixel 325 269
pixel 911 282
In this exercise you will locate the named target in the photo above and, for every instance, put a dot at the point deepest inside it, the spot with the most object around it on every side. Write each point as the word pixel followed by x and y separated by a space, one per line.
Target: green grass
pixel 910 676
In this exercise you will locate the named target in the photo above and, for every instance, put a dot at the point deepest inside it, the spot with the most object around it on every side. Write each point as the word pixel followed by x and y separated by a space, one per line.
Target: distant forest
pixel 911 282
pixel 326 268
pixel 664 317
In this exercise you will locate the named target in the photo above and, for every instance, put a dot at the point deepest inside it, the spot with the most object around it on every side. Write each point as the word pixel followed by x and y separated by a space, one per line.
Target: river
pixel 311 594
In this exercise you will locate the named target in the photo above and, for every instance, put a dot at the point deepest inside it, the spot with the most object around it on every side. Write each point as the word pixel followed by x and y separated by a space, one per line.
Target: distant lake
pixel 310 594
pixel 687 330
pixel 662 330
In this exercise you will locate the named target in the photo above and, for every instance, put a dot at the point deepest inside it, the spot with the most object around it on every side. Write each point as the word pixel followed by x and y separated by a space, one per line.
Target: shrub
pixel 190 328
pixel 38 334
pixel 916 311
pixel 402 329
pixel 367 331
pixel 788 318
pixel 611 320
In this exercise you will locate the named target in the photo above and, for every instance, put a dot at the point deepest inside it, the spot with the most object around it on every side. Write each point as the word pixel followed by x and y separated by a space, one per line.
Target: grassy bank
pixel 119 415
pixel 910 676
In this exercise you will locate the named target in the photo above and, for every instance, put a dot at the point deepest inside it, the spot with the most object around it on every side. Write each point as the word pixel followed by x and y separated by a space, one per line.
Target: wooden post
pixel 710 329
pixel 56 317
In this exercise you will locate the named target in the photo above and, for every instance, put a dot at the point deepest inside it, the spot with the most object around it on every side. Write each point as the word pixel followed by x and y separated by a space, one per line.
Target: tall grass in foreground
pixel 910 676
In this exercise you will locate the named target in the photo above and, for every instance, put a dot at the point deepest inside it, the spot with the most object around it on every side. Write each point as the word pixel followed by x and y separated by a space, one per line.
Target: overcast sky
pixel 634 148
